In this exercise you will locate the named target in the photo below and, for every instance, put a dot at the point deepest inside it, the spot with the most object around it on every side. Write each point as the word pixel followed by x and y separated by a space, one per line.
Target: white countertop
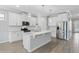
pixel 36 33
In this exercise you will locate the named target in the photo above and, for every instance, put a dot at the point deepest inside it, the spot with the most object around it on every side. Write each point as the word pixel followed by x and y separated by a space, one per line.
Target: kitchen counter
pixel 34 40
pixel 39 33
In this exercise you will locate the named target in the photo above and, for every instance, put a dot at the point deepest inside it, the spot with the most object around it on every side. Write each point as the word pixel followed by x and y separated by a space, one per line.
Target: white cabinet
pixel 19 20
pixel 14 36
pixel 32 21
pixel 24 17
pixel 15 19
pixel 12 19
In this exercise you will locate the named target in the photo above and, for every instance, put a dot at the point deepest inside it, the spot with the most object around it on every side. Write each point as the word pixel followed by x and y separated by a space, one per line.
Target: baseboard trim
pixel 4 41
pixel 11 41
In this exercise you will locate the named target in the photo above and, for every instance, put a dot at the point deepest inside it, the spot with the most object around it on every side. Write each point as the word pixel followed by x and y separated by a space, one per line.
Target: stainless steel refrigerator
pixel 63 30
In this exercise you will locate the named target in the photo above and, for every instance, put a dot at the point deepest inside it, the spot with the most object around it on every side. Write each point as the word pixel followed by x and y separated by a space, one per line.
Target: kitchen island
pixel 34 40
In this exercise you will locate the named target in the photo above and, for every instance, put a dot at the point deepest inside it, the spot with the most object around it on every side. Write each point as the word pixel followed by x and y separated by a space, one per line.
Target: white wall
pixel 52 21
pixel 76 25
pixel 42 22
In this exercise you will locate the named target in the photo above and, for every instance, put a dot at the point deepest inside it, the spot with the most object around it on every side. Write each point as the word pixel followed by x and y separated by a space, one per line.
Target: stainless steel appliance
pixel 63 30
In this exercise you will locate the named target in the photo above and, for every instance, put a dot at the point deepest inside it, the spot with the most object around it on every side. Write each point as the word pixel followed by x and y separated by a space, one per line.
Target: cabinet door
pixel 15 19
pixel 19 19
pixel 19 35
pixel 24 17
pixel 12 19
pixel 14 36
pixel 32 21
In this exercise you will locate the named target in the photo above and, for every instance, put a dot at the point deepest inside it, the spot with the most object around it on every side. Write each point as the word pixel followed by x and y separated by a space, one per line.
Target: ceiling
pixel 43 10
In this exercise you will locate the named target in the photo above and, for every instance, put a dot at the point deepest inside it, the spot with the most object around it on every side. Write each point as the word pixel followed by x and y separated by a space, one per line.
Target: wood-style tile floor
pixel 55 46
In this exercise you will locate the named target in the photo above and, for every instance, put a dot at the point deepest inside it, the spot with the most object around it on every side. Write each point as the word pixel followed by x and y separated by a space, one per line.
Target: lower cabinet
pixel 15 36
pixel 33 41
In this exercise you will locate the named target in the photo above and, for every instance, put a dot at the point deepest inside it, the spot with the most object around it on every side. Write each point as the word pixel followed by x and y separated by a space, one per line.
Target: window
pixel 1 17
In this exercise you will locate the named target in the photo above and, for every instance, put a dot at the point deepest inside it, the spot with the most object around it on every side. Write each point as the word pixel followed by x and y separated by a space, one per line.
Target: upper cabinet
pixel 15 19
pixel 32 21
pixel 2 16
pixel 12 18
pixel 18 20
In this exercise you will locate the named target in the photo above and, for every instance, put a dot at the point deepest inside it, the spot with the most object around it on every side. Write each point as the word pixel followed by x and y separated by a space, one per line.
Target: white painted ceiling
pixel 43 10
